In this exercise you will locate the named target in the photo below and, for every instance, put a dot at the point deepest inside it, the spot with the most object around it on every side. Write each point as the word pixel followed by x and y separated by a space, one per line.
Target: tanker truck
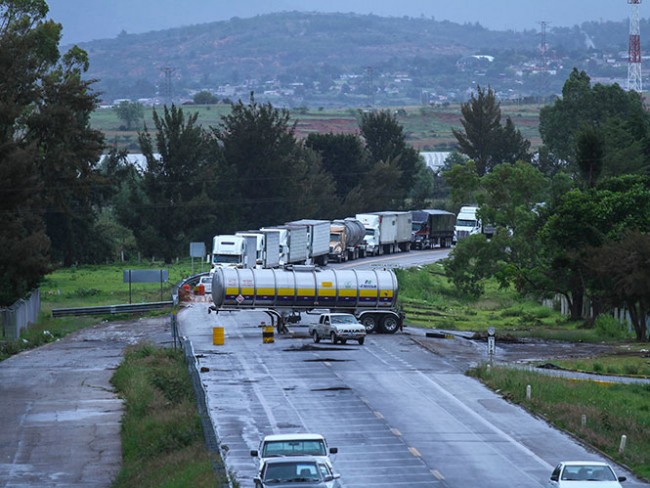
pixel 346 240
pixel 370 295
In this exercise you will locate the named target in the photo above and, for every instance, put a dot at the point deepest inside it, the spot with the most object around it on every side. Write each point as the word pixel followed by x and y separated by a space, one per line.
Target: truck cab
pixel 467 223
pixel 228 251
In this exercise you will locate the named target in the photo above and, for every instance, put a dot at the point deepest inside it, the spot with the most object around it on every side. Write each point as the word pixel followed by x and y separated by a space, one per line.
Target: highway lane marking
pixel 437 474
pixel 450 397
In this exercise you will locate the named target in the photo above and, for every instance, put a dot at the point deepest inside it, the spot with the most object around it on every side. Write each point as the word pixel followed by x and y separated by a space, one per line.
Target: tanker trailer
pixel 371 295
pixel 346 240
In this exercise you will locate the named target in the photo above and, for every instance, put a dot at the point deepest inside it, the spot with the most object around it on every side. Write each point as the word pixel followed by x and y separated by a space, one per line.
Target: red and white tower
pixel 634 49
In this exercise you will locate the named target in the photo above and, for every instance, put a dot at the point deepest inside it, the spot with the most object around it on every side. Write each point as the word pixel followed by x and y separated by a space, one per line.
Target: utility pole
pixel 634 49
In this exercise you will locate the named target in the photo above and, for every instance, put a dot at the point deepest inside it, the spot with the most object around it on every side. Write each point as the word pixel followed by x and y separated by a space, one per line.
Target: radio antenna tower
pixel 168 88
pixel 634 49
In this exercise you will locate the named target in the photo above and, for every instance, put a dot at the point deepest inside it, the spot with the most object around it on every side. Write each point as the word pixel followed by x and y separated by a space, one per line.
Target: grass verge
pixel 163 444
pixel 430 300
pixel 611 410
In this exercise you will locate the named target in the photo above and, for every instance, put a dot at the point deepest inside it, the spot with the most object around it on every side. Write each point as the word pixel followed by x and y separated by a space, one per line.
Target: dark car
pixel 297 472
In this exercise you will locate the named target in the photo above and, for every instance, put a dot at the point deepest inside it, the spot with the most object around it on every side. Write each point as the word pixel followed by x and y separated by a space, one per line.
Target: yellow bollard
pixel 267 334
pixel 217 336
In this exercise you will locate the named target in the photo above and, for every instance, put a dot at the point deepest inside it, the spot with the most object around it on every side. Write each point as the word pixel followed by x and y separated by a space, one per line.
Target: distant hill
pixel 321 57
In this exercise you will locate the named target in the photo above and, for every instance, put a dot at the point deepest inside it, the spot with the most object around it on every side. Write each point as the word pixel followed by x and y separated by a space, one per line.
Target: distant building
pixel 435 160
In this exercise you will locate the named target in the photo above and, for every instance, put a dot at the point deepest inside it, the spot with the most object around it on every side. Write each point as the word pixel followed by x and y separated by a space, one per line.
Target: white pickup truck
pixel 299 444
pixel 338 327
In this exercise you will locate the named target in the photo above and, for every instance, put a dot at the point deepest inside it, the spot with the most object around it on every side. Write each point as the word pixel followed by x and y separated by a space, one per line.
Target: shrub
pixel 608 327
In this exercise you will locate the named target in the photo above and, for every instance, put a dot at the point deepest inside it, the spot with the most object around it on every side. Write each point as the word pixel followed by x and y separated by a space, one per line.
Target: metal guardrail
pixel 111 309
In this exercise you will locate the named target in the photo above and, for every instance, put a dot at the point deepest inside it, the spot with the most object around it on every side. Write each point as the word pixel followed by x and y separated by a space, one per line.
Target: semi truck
pixel 286 293
pixel 432 228
pixel 346 240
pixel 386 232
pixel 318 239
pixel 468 223
pixel 232 251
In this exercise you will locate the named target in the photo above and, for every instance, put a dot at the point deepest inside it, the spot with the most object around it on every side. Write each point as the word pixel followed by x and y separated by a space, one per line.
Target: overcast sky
pixel 85 20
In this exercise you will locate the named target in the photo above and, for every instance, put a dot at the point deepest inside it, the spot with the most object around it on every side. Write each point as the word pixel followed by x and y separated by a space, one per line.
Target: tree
pixel 343 157
pixel 129 113
pixel 481 123
pixel 70 151
pixel 268 169
pixel 622 268
pixel 47 149
pixel 204 97
pixel 386 142
pixel 589 155
pixel 26 52
pixel 173 202
pixel 510 145
pixel 619 115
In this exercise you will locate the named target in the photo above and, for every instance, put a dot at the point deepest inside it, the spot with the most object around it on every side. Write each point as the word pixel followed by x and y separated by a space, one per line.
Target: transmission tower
pixel 168 91
pixel 634 49
pixel 543 46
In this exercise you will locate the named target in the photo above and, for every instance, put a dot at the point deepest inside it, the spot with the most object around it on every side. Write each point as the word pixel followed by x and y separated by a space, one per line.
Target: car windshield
pixel 294 448
pixel 587 472
pixel 344 319
pixel 291 471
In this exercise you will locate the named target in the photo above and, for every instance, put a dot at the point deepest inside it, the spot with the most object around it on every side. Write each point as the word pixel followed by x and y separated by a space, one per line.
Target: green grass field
pixel 425 128
pixel 611 410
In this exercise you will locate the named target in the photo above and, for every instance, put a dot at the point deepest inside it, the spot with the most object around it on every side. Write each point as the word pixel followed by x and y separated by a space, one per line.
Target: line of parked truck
pixel 262 269
pixel 318 242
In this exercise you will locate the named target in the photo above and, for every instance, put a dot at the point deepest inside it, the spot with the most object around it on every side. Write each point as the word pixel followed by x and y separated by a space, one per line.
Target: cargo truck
pixel 293 243
pixel 386 232
pixel 267 247
pixel 284 294
pixel 432 228
pixel 318 239
pixel 346 240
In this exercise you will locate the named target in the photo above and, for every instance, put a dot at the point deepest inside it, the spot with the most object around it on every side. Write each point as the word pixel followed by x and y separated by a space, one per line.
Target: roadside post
pixel 491 343
pixel 267 333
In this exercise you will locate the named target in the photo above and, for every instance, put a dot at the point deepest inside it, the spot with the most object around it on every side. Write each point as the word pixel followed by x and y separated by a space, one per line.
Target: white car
pixel 584 474
pixel 338 327
pixel 288 445
pixel 206 281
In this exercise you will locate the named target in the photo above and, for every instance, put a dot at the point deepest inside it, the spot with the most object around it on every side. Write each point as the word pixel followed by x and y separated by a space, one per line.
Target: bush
pixel 607 327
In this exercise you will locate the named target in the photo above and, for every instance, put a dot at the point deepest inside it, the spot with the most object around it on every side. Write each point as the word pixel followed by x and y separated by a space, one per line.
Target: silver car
pixel 297 471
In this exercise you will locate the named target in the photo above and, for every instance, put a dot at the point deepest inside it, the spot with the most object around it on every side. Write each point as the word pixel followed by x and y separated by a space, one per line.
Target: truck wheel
pixel 315 336
pixel 370 323
pixel 389 324
pixel 361 341
pixel 333 336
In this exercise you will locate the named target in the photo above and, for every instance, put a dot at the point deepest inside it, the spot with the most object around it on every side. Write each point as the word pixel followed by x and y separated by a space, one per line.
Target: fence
pixel 19 315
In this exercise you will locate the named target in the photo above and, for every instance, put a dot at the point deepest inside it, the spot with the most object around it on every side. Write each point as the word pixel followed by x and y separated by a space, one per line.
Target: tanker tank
pixel 371 295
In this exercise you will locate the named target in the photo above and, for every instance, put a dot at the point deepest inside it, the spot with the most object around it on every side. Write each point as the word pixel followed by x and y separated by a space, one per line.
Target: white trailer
pixel 386 232
pixel 293 243
pixel 318 239
pixel 267 247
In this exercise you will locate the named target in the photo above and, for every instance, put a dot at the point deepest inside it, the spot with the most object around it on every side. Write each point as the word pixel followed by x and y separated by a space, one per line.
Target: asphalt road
pixel 400 409
pixel 59 415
